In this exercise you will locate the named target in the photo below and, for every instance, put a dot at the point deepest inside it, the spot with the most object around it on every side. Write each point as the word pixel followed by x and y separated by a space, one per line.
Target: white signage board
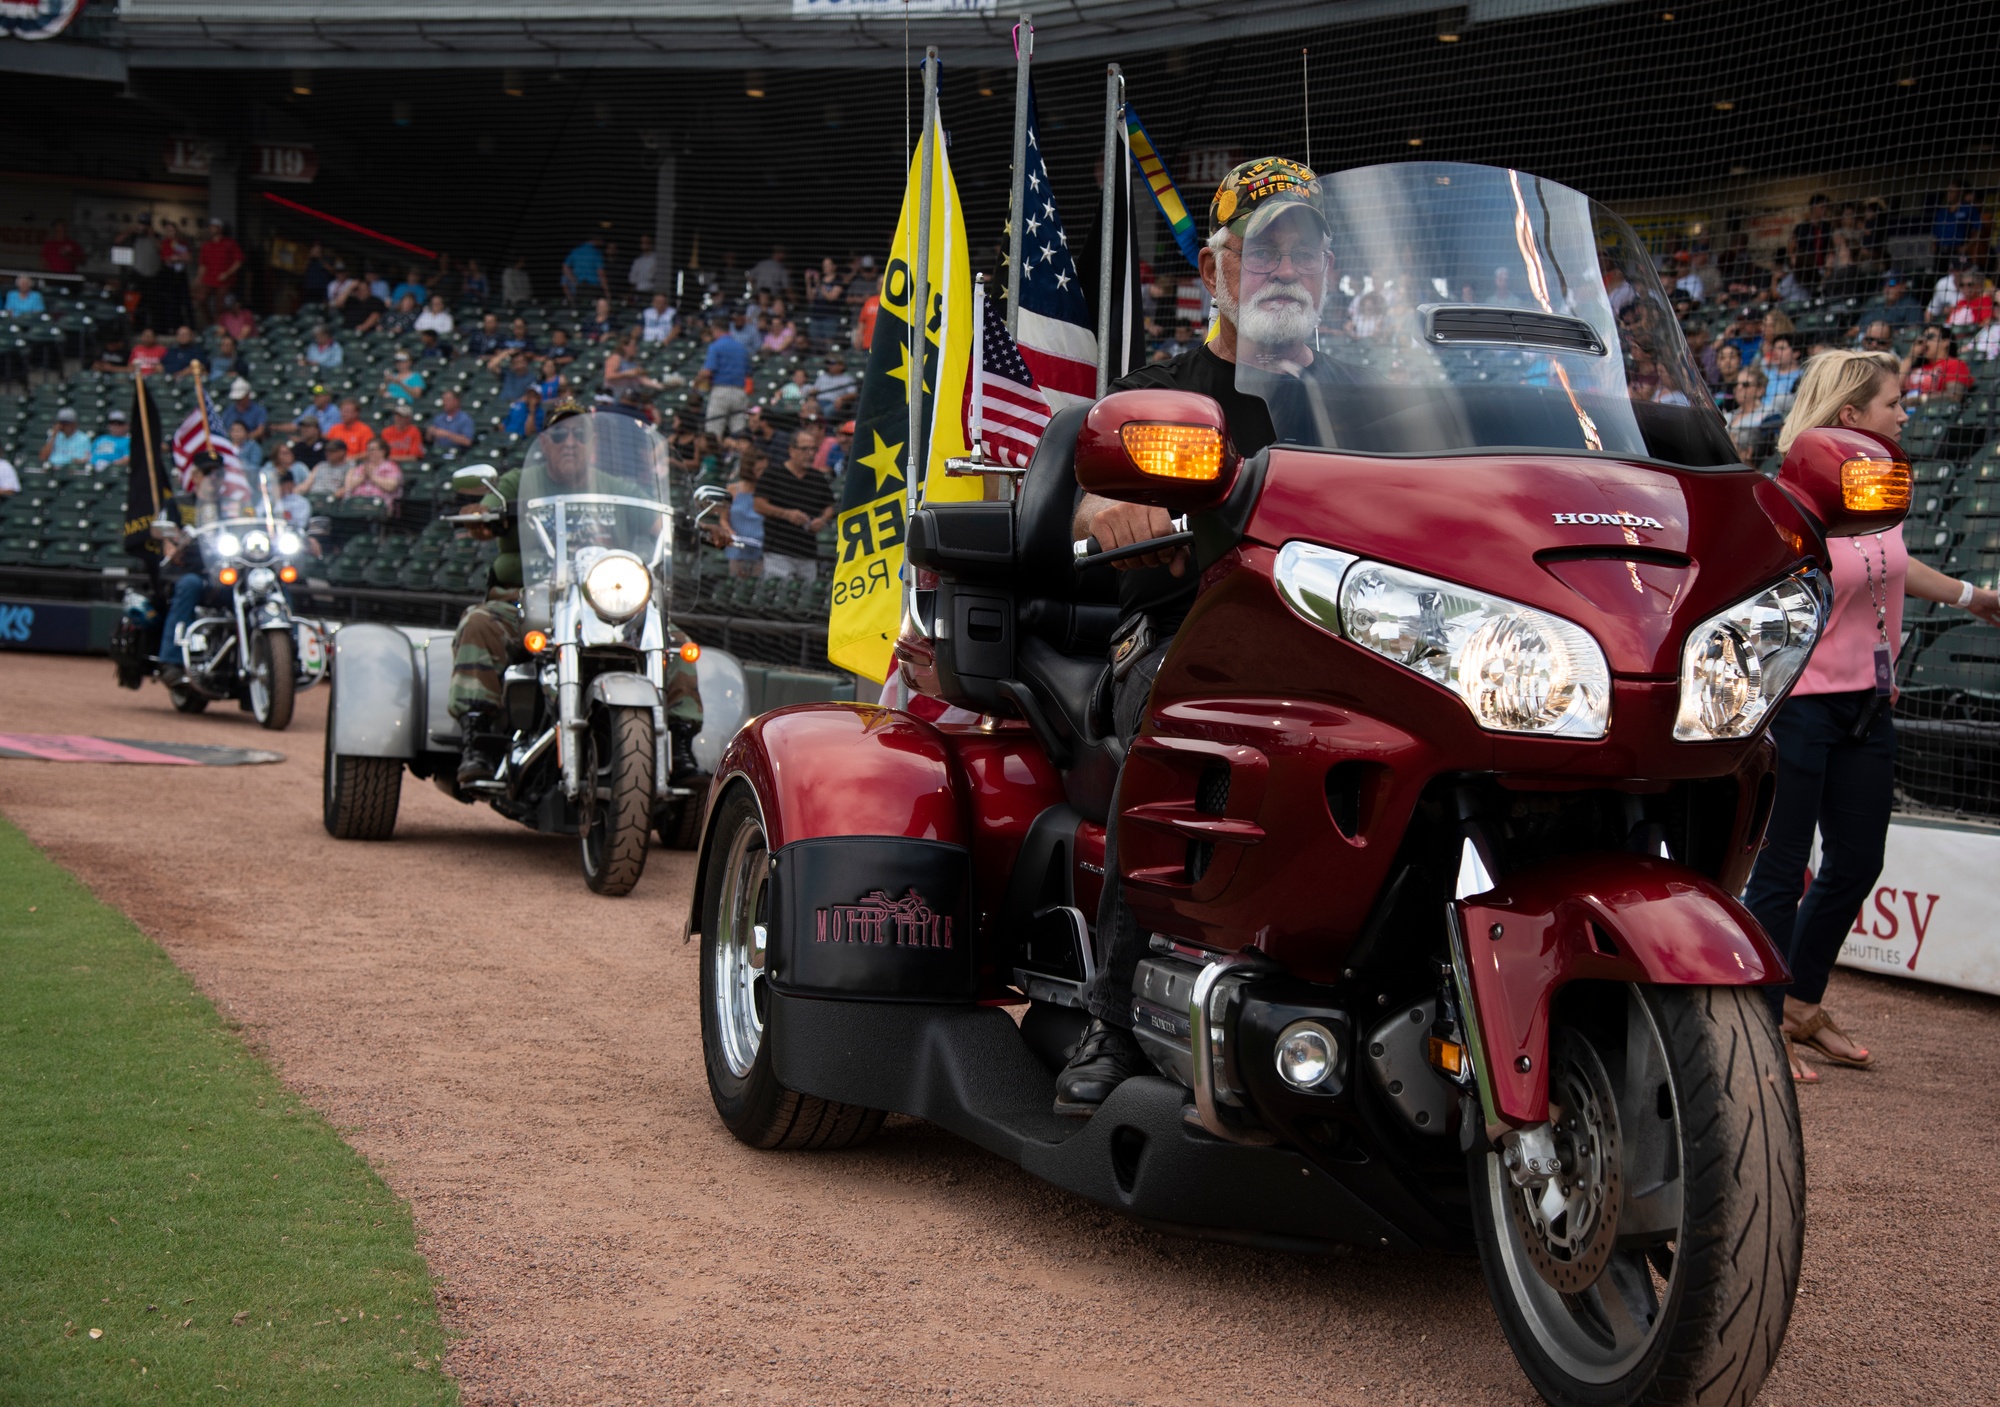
pixel 1935 912
pixel 888 9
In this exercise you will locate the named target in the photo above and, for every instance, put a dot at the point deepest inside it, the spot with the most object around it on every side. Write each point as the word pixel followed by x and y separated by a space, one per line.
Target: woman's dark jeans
pixel 1842 788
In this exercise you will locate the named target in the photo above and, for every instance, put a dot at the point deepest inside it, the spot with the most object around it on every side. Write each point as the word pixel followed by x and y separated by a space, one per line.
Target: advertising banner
pixel 1933 914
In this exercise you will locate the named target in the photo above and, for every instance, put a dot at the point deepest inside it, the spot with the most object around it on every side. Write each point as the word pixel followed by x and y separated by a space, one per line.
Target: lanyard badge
pixel 1885 657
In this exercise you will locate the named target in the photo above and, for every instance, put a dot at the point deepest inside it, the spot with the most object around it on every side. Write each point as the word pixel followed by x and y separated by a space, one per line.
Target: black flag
pixel 149 487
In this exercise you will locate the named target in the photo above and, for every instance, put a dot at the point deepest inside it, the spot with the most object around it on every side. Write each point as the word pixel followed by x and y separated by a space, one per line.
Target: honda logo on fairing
pixel 906 922
pixel 1609 520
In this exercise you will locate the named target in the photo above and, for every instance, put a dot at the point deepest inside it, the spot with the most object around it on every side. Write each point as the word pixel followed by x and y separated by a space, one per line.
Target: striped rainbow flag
pixel 1147 158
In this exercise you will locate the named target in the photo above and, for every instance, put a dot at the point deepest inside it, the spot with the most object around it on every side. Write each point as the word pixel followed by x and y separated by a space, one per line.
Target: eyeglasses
pixel 1266 258
pixel 1874 341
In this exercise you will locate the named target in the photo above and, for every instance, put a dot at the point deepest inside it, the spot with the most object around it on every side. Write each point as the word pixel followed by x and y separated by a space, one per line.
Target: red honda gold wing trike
pixel 1435 818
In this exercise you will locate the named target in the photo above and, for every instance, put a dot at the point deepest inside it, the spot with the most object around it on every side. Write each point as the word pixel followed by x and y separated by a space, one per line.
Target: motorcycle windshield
pixel 1431 308
pixel 593 481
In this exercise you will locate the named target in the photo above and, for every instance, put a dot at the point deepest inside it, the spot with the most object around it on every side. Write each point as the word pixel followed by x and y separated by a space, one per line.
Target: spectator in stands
pixel 743 328
pixel 401 320
pixel 221 260
pixel 516 375
pixel 793 393
pixel 831 458
pixel 727 366
pixel 343 285
pixel 248 453
pixel 331 474
pixel 179 359
pixel 659 322
pixel 864 323
pixel 228 362
pixel 559 350
pixel 1891 306
pixel 1781 371
pixel 1728 364
pixel 316 419
pixel 599 326
pixel 524 416
pixel 795 501
pixel 1696 333
pixel 1836 740
pixel 235 319
pixel 435 317
pixel 1974 307
pixel 24 300
pixel 351 430
pixel 472 285
pixel 318 275
pixel 60 253
pixel 147 353
pixel 1747 421
pixel 1986 346
pixel 411 287
pixel 834 388
pixel 376 476
pixel 244 410
pixel 779 336
pixel 1933 369
pixel 622 371
pixel 292 504
pixel 826 300
pixel 113 355
pixel 402 437
pixel 403 382
pixel 10 481
pixel 362 312
pixel 322 353
pixel 583 270
pixel 745 537
pixel 113 448
pixel 488 339
pixel 1945 293
pixel 430 349
pixel 551 382
pixel 451 429
pixel 515 285
pixel 378 285
pixel 644 270
pixel 1953 225
pixel 1876 336
pixel 1811 244
pixel 67 447
pixel 770 275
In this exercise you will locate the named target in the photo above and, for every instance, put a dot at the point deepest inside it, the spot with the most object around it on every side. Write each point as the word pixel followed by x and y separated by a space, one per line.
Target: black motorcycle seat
pixel 1067 685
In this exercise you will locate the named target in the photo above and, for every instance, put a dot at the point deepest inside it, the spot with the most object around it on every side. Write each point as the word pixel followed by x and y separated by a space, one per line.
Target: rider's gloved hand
pixel 1115 524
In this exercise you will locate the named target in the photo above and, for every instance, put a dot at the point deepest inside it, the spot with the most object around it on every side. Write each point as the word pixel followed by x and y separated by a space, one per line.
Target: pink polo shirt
pixel 1844 660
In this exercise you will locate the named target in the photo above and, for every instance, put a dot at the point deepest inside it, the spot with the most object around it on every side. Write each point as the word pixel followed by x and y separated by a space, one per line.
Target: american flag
pixel 1057 334
pixel 1009 409
pixel 196 435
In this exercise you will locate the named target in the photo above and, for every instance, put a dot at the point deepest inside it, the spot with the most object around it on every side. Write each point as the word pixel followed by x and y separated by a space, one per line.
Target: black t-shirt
pixel 356 309
pixel 1156 590
pixel 811 492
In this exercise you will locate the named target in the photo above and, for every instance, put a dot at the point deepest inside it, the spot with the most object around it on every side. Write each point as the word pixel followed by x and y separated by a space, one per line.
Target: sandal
pixel 1808 1033
pixel 1802 1073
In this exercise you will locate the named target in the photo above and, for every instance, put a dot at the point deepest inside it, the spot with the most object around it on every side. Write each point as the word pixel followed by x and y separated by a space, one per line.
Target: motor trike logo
pixel 1609 520
pixel 908 922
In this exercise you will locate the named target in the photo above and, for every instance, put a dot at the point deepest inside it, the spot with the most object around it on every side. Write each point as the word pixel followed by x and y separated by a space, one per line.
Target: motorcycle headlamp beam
pixel 617 585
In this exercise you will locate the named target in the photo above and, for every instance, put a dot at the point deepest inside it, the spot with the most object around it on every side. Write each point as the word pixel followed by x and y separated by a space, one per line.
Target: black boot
pixel 1105 1058
pixel 681 733
pixel 476 746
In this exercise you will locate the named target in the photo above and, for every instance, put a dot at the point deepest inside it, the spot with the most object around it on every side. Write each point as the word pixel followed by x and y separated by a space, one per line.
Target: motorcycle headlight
pixel 1518 670
pixel 290 544
pixel 260 580
pixel 256 544
pixel 1738 666
pixel 228 544
pixel 617 586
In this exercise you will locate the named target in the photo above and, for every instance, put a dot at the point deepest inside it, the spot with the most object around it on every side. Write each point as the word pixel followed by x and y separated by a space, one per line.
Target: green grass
pixel 158 1184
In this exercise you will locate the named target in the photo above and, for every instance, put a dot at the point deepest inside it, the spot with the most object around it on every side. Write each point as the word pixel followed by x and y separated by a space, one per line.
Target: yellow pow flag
pixel 868 572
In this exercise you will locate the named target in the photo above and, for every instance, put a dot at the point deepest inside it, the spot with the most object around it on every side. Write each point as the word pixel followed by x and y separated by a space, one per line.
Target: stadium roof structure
pixel 671 34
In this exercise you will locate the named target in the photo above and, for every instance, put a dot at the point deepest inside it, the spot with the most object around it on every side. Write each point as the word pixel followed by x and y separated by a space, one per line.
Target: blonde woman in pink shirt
pixel 1836 743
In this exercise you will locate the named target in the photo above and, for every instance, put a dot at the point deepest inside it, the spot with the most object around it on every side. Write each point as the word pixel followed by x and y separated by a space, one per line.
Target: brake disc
pixel 1569 1224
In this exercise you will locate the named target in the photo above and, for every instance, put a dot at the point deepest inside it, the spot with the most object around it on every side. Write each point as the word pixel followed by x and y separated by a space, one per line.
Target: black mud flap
pixel 882 918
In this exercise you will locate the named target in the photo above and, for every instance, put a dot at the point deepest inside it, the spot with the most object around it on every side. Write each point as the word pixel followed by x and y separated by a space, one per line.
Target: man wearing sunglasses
pixel 1267 266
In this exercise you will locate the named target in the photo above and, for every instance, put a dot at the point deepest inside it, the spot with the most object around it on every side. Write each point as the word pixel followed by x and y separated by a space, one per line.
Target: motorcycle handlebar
pixel 1088 554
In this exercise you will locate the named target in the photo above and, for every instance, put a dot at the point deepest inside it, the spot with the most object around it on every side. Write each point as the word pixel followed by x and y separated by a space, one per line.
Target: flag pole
pixel 1114 84
pixel 1024 57
pixel 140 400
pixel 916 462
pixel 201 399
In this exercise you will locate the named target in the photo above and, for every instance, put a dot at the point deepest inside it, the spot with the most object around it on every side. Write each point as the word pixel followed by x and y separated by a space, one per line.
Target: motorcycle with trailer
pixel 244 643
pixel 1435 820
pixel 583 706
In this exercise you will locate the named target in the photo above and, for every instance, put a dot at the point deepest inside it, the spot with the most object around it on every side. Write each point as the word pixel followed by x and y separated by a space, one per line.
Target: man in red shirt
pixel 402 438
pixel 221 261
pixel 60 253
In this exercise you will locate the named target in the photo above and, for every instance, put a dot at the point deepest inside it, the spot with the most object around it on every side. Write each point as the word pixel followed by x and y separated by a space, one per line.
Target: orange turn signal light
pixel 690 652
pixel 1448 1056
pixel 227 576
pixel 1168 451
pixel 1875 486
pixel 536 641
pixel 288 574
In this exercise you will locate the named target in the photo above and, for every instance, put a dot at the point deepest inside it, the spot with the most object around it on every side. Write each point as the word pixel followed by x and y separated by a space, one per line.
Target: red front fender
pixel 1613 917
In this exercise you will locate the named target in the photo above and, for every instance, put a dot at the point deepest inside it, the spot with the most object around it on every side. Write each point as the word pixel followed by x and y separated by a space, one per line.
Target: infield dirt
pixel 521 1059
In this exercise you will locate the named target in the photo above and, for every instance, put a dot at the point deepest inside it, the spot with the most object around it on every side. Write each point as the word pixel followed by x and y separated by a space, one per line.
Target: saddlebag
pixel 873 917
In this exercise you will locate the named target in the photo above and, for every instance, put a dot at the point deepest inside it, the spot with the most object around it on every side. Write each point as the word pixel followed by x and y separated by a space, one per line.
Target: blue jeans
pixel 187 596
pixel 1842 788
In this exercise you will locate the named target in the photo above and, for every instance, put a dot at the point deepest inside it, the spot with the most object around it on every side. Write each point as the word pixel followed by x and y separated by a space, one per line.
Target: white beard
pixel 1270 319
